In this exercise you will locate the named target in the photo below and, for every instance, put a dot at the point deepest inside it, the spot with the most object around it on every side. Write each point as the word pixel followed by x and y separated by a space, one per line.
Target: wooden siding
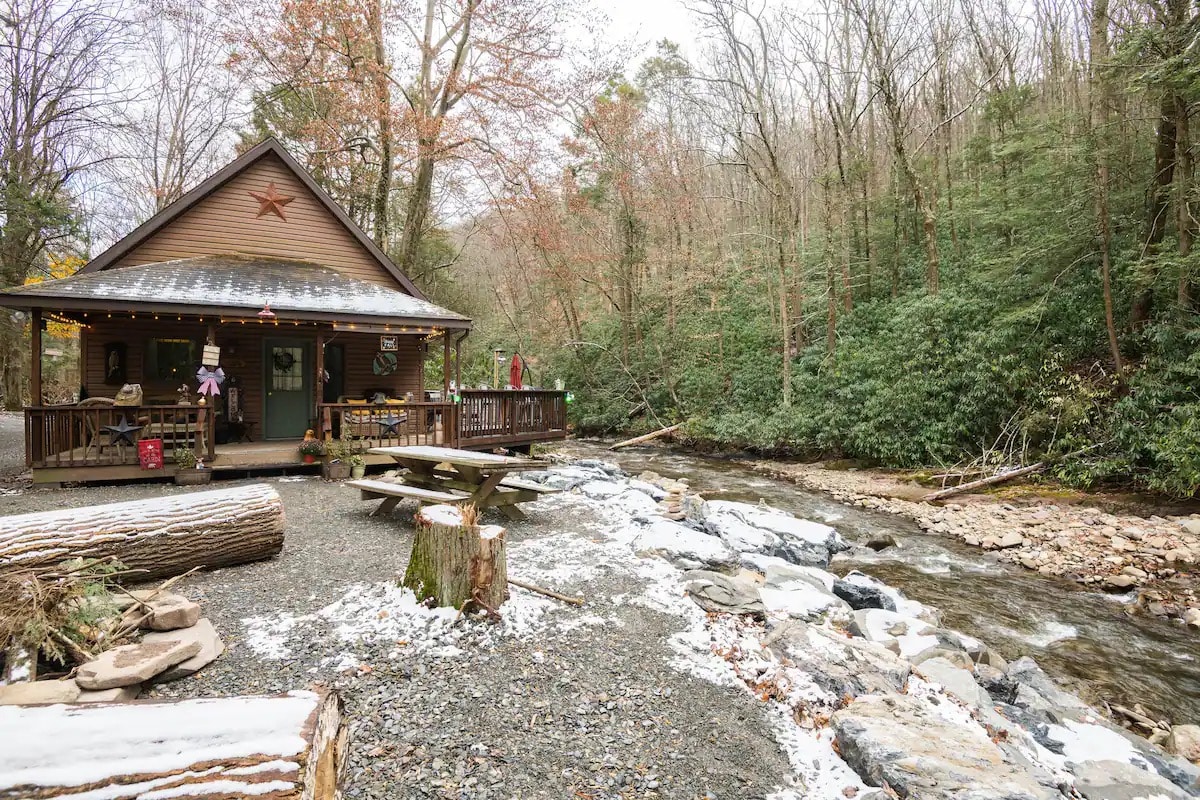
pixel 225 222
pixel 242 358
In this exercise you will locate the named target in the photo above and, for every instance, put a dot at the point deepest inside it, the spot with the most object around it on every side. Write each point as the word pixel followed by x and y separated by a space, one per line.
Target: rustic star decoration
pixel 122 431
pixel 271 201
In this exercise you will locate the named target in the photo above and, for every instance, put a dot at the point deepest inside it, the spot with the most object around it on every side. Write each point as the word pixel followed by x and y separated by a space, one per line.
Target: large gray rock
pixel 896 739
pixel 202 632
pixel 902 634
pixel 1119 780
pixel 956 681
pixel 842 666
pixel 683 546
pixel 133 663
pixel 1185 741
pixel 1036 689
pixel 799 541
pixel 713 591
pixel 29 693
pixel 122 694
pixel 859 596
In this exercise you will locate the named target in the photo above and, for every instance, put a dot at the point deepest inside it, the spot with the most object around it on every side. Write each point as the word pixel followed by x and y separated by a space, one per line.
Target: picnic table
pixel 457 477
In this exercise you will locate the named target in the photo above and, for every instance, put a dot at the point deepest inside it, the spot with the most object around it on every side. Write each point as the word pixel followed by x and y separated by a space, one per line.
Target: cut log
pixel 991 480
pixel 287 746
pixel 152 538
pixel 647 437
pixel 455 564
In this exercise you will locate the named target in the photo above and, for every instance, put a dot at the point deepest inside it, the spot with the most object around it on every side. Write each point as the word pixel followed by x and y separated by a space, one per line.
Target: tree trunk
pixel 383 186
pixel 1186 223
pixel 286 746
pixel 158 538
pixel 457 565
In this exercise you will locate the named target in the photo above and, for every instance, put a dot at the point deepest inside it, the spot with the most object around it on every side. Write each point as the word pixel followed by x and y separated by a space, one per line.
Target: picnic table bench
pixel 457 477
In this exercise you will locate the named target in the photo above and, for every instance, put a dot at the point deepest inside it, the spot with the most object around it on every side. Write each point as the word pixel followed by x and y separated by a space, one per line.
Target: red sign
pixel 150 453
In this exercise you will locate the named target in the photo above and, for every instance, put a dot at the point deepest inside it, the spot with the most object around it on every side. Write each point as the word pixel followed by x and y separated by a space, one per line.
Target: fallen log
pixel 283 747
pixel 991 480
pixel 456 562
pixel 154 538
pixel 647 437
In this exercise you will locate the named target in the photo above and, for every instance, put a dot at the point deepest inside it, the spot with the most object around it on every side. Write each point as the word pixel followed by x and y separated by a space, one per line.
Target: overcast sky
pixel 648 21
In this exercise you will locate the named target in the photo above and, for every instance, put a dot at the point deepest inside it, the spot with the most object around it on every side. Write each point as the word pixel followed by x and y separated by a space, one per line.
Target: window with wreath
pixel 287 369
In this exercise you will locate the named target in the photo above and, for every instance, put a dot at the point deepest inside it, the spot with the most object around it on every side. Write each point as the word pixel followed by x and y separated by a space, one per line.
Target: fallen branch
pixel 647 437
pixel 991 480
pixel 576 601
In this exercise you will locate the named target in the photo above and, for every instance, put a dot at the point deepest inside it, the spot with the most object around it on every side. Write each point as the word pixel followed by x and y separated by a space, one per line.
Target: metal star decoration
pixel 271 201
pixel 122 431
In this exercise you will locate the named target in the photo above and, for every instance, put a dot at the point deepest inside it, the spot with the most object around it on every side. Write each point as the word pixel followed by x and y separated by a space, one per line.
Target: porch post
pixel 446 367
pixel 35 367
pixel 319 386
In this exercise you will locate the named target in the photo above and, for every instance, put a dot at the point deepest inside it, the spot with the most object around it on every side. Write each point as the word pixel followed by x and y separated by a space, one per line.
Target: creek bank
pixel 850 665
pixel 1155 558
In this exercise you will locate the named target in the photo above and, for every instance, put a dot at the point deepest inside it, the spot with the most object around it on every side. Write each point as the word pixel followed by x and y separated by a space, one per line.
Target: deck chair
pixel 93 424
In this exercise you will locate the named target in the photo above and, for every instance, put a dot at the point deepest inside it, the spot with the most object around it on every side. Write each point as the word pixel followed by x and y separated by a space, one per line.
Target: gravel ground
pixel 12 445
pixel 579 703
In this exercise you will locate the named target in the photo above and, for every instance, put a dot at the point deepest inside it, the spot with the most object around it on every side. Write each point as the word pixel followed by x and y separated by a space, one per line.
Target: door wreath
pixel 283 360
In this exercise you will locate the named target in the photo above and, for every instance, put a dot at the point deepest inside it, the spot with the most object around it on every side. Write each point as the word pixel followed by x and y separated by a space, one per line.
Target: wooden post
pixel 35 347
pixel 319 387
pixel 446 367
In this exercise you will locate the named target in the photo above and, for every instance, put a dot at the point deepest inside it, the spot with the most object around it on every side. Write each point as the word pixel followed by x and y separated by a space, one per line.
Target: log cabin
pixel 258 272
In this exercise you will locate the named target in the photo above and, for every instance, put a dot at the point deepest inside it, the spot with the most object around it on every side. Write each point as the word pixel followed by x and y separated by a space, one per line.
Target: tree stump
pixel 287 746
pixel 158 538
pixel 456 562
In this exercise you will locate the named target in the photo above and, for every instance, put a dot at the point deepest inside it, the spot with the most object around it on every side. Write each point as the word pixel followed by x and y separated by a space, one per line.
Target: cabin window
pixel 169 360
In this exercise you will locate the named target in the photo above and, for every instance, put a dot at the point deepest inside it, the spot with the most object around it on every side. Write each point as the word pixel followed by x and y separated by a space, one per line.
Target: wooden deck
pixel 69 444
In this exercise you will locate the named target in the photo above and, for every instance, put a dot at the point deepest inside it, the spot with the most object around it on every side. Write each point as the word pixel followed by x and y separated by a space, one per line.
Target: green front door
pixel 287 388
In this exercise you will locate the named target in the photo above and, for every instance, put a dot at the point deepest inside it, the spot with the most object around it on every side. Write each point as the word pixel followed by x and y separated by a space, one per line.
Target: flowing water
pixel 1085 639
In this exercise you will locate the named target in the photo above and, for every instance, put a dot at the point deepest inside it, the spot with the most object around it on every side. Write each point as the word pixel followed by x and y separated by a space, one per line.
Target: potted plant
pixel 188 470
pixel 358 466
pixel 310 449
pixel 337 465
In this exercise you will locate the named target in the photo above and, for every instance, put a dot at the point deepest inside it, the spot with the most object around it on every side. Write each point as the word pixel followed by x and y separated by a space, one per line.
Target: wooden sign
pixel 389 344
pixel 150 453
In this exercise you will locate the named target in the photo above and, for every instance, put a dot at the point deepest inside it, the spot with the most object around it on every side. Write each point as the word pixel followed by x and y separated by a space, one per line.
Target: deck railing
pixel 383 425
pixel 82 435
pixel 504 416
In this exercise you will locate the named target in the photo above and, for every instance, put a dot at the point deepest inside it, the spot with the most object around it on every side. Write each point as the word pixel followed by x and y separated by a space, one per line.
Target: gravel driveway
pixel 559 702
pixel 12 444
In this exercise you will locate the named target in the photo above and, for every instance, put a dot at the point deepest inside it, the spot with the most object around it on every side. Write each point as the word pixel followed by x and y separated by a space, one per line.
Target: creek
pixel 1084 638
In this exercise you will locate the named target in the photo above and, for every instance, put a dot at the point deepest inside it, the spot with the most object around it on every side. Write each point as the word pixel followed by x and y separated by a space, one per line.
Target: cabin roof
pixel 234 284
pixel 212 183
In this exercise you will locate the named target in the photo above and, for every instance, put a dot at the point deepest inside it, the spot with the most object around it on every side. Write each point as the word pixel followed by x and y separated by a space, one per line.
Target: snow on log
pixel 286 746
pixel 160 537
pixel 457 564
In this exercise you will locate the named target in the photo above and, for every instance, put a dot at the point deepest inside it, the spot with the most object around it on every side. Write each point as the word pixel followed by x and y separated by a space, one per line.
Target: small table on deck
pixel 444 474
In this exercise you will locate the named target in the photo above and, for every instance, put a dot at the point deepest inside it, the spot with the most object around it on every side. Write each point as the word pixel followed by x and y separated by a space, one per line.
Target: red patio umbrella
pixel 514 372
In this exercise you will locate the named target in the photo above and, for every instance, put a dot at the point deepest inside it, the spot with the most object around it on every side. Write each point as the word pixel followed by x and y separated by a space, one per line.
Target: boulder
pixel 881 541
pixel 761 563
pixel 956 657
pixel 601 489
pixel 1010 539
pixel 695 510
pixel 860 596
pixel 904 635
pixel 654 492
pixel 170 612
pixel 897 739
pixel 121 694
pixel 1120 583
pixel 800 541
pixel 738 534
pixel 1120 780
pixel 1185 741
pixel 202 632
pixel 683 546
pixel 713 591
pixel 902 604
pixel 780 575
pixel 1026 673
pixel 29 693
pixel 1191 526
pixel 956 681
pixel 842 666
pixel 634 503
pixel 133 663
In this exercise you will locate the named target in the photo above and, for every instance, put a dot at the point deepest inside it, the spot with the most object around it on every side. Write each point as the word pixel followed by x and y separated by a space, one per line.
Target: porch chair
pixel 93 424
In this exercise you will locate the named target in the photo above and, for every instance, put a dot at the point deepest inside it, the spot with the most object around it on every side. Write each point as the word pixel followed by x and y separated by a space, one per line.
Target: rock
pixel 1119 780
pixel 29 693
pixel 898 739
pixel 695 509
pixel 601 489
pixel 956 657
pixel 1120 583
pixel 1010 539
pixel 634 503
pixel 800 541
pixel 874 624
pixel 990 658
pixel 995 683
pixel 859 596
pixel 955 680
pixel 133 663
pixel 121 694
pixel 650 489
pixel 739 534
pixel 901 604
pixel 713 591
pixel 1191 526
pixel 881 541
pixel 780 575
pixel 171 613
pixel 203 632
pixel 840 665
pixel 1040 691
pixel 1185 741
pixel 1191 617
pixel 683 546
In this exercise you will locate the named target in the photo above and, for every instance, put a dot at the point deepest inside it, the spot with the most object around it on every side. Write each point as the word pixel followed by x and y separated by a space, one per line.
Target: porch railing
pixel 381 425
pixel 499 417
pixel 84 436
